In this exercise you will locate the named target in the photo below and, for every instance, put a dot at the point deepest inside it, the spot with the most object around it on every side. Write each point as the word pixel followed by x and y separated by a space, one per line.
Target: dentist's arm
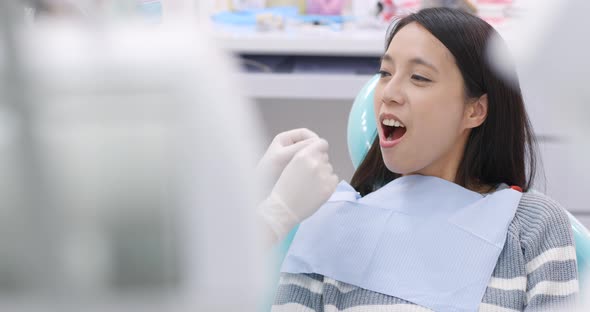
pixel 304 185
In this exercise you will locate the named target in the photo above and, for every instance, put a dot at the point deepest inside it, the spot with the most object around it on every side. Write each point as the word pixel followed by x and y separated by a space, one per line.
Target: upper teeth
pixel 392 123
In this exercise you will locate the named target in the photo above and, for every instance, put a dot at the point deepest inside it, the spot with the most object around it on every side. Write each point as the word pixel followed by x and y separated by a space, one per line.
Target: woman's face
pixel 420 106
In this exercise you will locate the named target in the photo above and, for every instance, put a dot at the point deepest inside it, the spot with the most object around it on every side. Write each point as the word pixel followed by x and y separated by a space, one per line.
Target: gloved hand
pixel 306 183
pixel 279 153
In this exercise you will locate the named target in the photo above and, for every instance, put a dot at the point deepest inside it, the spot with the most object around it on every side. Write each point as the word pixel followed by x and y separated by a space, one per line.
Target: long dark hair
pixel 499 150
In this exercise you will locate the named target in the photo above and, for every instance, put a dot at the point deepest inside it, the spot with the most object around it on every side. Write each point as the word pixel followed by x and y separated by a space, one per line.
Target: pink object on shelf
pixel 389 9
pixel 495 21
pixel 325 7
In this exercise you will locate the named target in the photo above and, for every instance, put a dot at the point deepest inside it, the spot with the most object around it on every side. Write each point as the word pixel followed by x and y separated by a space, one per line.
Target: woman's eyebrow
pixel 416 60
pixel 421 61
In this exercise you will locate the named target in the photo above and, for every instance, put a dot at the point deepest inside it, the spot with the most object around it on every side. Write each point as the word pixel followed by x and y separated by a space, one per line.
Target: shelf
pixel 316 41
pixel 303 86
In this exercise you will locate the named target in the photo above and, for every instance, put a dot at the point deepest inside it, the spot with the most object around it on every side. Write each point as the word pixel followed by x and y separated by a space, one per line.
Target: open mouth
pixel 393 129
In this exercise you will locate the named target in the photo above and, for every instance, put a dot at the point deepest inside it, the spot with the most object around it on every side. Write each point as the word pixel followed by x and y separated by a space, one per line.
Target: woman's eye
pixel 420 78
pixel 383 73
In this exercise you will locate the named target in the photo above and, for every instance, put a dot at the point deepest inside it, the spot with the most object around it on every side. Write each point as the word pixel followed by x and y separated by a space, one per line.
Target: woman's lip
pixel 382 141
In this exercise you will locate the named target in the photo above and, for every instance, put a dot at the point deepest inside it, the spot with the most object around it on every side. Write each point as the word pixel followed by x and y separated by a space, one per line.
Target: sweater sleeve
pixel 550 255
pixel 299 293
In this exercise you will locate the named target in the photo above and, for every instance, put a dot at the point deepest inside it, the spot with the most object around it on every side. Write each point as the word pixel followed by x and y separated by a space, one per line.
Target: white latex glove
pixel 281 150
pixel 306 183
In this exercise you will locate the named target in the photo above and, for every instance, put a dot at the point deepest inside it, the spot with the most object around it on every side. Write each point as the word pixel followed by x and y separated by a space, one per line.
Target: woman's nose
pixel 393 92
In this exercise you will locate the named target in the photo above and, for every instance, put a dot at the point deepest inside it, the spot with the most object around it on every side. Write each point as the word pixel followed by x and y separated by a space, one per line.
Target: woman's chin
pixel 397 167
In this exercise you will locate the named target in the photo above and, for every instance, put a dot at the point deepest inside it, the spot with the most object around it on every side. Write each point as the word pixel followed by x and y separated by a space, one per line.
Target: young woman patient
pixel 447 122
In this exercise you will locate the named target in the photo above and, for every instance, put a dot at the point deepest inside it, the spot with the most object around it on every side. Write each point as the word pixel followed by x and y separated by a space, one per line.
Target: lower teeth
pixel 390 138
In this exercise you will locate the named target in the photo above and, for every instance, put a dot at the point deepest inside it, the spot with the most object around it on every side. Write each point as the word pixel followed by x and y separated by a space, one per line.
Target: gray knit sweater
pixel 536 271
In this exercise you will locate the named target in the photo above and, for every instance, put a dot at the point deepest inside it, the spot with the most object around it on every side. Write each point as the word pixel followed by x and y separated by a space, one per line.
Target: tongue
pixel 398 132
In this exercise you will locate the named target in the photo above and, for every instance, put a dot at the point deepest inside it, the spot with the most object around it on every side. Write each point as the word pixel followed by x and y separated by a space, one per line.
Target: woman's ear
pixel 476 112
